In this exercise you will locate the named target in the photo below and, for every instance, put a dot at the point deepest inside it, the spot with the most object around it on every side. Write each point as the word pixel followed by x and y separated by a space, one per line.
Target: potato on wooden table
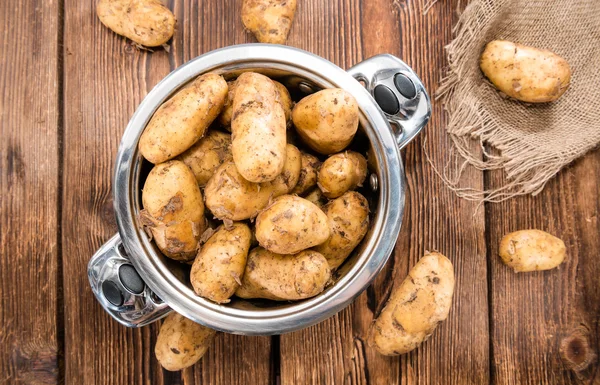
pixel 146 22
pixel 269 20
pixel 207 154
pixel 258 128
pixel 415 308
pixel 532 250
pixel 284 277
pixel 348 218
pixel 308 174
pixel 342 172
pixel 525 73
pixel 183 119
pixel 173 210
pixel 326 120
pixel 181 342
pixel 291 224
pixel 218 268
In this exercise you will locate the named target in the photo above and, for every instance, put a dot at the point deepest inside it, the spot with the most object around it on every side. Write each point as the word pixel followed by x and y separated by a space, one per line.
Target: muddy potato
pixel 146 22
pixel 525 73
pixel 181 342
pixel 415 308
pixel 290 175
pixel 207 154
pixel 291 224
pixel 348 218
pixel 316 197
pixel 183 119
pixel 308 174
pixel 285 100
pixel 532 250
pixel 220 263
pixel 326 120
pixel 342 172
pixel 173 210
pixel 258 128
pixel 284 277
pixel 269 20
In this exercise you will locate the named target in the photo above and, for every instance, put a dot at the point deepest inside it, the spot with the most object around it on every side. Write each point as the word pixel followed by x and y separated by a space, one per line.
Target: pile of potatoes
pixel 256 216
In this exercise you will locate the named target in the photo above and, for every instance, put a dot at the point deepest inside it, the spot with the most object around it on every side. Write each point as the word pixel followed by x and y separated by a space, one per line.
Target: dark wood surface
pixel 69 86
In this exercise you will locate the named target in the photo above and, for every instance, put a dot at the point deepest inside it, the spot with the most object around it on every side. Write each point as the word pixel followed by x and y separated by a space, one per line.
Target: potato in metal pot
pixel 415 308
pixel 532 250
pixel 316 197
pixel 269 20
pixel 207 154
pixel 308 174
pixel 342 172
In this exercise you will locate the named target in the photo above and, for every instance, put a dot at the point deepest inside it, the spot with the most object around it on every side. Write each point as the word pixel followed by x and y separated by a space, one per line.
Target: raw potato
pixel 285 100
pixel 415 308
pixel 308 174
pixel 284 277
pixel 291 224
pixel 146 22
pixel 342 172
pixel 316 197
pixel 532 250
pixel 327 120
pixel 269 20
pixel 207 154
pixel 525 73
pixel 181 342
pixel 231 197
pixel 183 119
pixel 348 218
pixel 219 266
pixel 258 129
pixel 173 210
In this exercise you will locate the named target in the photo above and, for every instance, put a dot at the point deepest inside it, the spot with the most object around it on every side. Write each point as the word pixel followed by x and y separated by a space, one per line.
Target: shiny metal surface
pixel 293 67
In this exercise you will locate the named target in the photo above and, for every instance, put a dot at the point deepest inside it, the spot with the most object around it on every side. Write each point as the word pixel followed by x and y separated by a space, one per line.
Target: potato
pixel 146 22
pixel 269 20
pixel 207 154
pixel 316 197
pixel 284 277
pixel 525 73
pixel 342 172
pixel 258 128
pixel 183 119
pixel 415 308
pixel 291 224
pixel 285 100
pixel 308 174
pixel 348 218
pixel 173 209
pixel 181 342
pixel 327 120
pixel 231 197
pixel 219 266
pixel 532 250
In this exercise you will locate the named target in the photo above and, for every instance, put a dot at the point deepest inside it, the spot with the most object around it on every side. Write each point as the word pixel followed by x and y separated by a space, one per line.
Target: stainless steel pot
pixel 137 285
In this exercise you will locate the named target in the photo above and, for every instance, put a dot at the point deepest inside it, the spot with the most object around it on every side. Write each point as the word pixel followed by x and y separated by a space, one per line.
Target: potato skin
pixel 316 197
pixel 291 224
pixel 258 128
pixel 269 20
pixel 220 263
pixel 326 120
pixel 181 342
pixel 284 277
pixel 348 218
pixel 182 120
pixel 207 154
pixel 285 100
pixel 173 209
pixel 525 73
pixel 146 22
pixel 415 308
pixel 342 172
pixel 308 174
pixel 531 250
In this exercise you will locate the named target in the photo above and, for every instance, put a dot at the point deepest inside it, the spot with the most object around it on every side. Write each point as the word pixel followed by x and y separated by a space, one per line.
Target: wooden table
pixel 69 87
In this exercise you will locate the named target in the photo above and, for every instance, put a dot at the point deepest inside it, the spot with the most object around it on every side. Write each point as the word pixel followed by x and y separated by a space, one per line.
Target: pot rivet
pixel 374 182
pixel 305 88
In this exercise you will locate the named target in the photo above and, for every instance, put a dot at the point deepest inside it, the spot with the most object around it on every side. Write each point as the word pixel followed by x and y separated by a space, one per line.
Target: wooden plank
pixel 336 351
pixel 545 325
pixel 30 301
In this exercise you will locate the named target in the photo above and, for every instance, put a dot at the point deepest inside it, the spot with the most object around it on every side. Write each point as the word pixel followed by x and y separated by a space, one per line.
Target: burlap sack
pixel 530 142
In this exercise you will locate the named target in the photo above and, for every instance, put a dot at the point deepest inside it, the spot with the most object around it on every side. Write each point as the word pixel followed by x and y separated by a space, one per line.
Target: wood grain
pixel 30 300
pixel 335 351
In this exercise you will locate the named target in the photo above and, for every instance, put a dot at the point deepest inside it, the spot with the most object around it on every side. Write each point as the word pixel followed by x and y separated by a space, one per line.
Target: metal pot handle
pixel 399 93
pixel 120 289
